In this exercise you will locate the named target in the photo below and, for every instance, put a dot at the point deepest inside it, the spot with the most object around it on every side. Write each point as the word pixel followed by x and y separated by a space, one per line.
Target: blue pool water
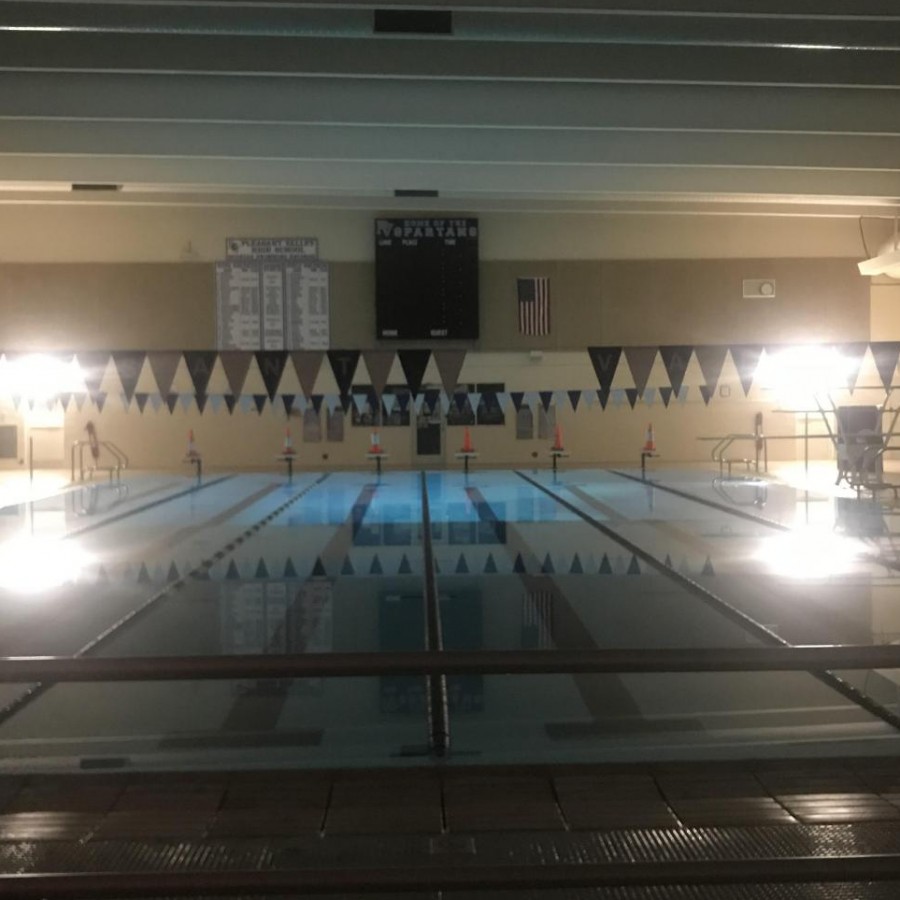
pixel 582 559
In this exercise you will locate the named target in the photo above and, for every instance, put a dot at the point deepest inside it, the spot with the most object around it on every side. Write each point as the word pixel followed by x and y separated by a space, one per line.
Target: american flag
pixel 537 620
pixel 534 305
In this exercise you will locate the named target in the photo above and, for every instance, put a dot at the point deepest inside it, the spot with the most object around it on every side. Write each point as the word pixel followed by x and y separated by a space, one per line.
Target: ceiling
pixel 656 105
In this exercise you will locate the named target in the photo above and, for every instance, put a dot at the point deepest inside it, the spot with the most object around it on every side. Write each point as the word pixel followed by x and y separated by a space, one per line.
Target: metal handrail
pixel 118 454
pixel 803 658
pixel 722 444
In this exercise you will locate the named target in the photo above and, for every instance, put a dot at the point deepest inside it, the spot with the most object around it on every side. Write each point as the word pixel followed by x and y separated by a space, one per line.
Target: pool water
pixel 582 559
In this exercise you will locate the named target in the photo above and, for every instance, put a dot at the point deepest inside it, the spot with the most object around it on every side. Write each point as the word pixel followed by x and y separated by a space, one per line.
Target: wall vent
pixel 92 186
pixel 413 21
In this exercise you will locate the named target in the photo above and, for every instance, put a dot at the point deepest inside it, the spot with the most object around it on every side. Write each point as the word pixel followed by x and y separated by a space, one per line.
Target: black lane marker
pixel 436 685
pixel 701 593
pixel 36 690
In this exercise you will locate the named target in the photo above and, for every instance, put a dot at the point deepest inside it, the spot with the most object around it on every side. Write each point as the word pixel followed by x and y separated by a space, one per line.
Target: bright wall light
pixel 30 565
pixel 39 378
pixel 799 375
pixel 808 555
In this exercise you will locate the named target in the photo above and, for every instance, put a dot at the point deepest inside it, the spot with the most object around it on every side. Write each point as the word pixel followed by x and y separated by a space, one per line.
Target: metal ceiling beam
pixel 448 58
pixel 506 104
pixel 449 146
pixel 461 179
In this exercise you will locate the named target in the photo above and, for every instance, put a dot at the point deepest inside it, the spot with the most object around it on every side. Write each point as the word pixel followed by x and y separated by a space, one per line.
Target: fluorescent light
pixel 808 555
pixel 31 565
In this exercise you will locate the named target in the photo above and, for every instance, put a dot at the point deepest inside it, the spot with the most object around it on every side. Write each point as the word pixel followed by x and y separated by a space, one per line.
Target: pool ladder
pixel 724 444
pixel 117 465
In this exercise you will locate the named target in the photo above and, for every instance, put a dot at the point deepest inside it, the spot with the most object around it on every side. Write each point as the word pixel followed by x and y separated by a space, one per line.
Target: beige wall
pixel 120 277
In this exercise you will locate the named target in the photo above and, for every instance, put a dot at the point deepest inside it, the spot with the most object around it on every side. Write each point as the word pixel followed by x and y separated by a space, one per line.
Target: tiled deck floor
pixel 535 816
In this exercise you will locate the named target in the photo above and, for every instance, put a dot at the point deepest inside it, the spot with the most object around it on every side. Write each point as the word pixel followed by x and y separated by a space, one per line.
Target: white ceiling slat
pixel 266 143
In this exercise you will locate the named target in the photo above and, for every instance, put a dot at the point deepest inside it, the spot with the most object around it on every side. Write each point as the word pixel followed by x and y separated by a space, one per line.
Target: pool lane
pixel 567 586
pixel 342 570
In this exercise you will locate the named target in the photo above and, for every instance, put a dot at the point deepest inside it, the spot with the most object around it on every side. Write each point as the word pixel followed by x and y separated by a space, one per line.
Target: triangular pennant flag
pixel 375 568
pixel 576 568
pixel 129 364
pixel 164 364
pixel 649 396
pixel 590 395
pixel 418 403
pixel 390 401
pixel 886 354
pixel 289 570
pixel 711 359
pixel 666 394
pixel 332 401
pixel 546 399
pixel 144 575
pixel 65 400
pixel 230 402
pixel 271 366
pixel 605 360
pixel 347 567
pixel 519 565
pixel 503 401
pixel 746 361
pixel 449 365
pixel 318 570
pixel 632 395
pixel 708 568
pixel 185 400
pixel 490 565
pixel 474 400
pixel 707 392
pixel 603 396
pixel 99 400
pixel 307 364
pixel 259 401
pixel 379 363
pixel 605 567
pixel 343 365
pixel 634 567
pixel 247 403
pixel 262 571
pixel 236 364
pixel 141 400
pixel 547 567
pixel 360 401
pixel 156 402
pixel 432 395
pixel 462 567
pixel 414 363
pixel 405 568
pixel 675 359
pixel 93 366
pixel 517 398
pixel 199 365
pixel 852 355
pixel 288 401
pixel 201 401
pixel 445 403
pixel 232 574
pixel 574 398
pixel 640 361
pixel 173 574
pixel 683 394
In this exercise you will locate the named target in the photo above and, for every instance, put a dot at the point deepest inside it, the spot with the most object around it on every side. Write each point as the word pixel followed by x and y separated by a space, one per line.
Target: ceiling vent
pixel 414 192
pixel 413 21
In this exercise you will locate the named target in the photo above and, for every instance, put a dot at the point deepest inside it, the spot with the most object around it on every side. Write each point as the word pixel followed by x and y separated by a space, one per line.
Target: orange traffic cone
pixel 467 442
pixel 375 443
pixel 649 443
pixel 557 439
pixel 288 448
pixel 192 452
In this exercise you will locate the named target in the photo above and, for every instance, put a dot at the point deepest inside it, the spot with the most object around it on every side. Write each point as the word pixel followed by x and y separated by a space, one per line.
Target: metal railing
pixel 723 444
pixel 119 463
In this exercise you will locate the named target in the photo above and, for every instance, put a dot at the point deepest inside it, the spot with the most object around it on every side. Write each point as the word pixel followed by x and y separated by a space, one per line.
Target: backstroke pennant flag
pixel 534 305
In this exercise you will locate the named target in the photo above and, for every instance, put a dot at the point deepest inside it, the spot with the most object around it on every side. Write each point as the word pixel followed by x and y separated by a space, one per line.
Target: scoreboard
pixel 426 279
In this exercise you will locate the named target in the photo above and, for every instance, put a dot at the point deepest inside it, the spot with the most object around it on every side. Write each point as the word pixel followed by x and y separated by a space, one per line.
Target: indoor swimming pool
pixel 335 563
